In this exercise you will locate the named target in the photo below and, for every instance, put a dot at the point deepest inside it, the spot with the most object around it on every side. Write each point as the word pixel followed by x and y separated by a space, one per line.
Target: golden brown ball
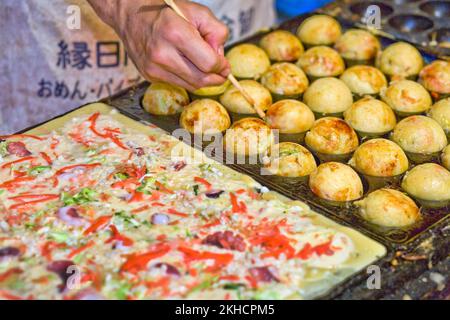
pixel 164 99
pixel 213 90
pixel 290 116
pixel 440 112
pixel 319 30
pixel 380 158
pixel 419 134
pixel 428 181
pixel 321 61
pixel 285 79
pixel 235 102
pixel 336 182
pixel 400 60
pixel 281 45
pixel 249 136
pixel 370 115
pixel 289 159
pixel 331 135
pixel 356 44
pixel 407 96
pixel 389 208
pixel 364 80
pixel 446 157
pixel 328 95
pixel 205 116
pixel 435 77
pixel 248 61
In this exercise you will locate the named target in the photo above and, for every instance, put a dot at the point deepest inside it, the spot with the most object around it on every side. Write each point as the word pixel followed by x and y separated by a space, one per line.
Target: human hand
pixel 164 46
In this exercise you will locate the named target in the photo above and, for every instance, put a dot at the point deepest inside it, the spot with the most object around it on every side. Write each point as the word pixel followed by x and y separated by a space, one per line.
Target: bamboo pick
pixel 233 80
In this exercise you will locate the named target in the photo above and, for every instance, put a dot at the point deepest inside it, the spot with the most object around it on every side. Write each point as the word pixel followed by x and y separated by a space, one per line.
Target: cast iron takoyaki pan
pixel 129 102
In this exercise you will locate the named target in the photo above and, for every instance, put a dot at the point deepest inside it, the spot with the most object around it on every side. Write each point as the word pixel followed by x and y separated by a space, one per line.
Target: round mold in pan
pixel 440 35
pixel 438 9
pixel 360 8
pixel 410 23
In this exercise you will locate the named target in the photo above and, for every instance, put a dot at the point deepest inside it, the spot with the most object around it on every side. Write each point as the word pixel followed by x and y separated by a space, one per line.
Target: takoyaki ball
pixel 331 135
pixel 211 92
pixel 319 30
pixel 428 181
pixel 358 45
pixel 290 116
pixel 248 61
pixel 380 158
pixel 285 79
pixel 435 77
pixel 446 157
pixel 389 208
pixel 370 116
pixel 407 97
pixel 289 159
pixel 419 134
pixel 164 99
pixel 400 60
pixel 364 80
pixel 336 182
pixel 205 116
pixel 282 45
pixel 235 102
pixel 328 96
pixel 440 112
pixel 321 62
pixel 249 136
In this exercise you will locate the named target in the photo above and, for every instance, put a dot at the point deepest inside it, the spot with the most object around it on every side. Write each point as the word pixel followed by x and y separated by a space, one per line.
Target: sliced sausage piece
pixel 8 252
pixel 17 148
pixel 263 274
pixel 62 269
pixel 226 240
pixel 170 269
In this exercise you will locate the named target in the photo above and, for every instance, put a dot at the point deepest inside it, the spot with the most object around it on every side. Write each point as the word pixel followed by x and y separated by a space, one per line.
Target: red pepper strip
pixel 97 224
pixel 46 158
pixel 15 182
pixel 275 244
pixel 9 164
pixel 5 275
pixel 230 278
pixel 128 183
pixel 163 188
pixel 308 250
pixel 54 143
pixel 77 251
pixel 220 259
pixel 12 136
pixel 138 262
pixel 116 236
pixel 204 182
pixel 109 135
pixel 68 168
pixel 45 199
pixel 48 247
pixel 162 283
pixel 212 224
pixel 157 204
pixel 141 209
pixel 32 196
pixel 237 207
pixel 177 213
pixel 136 197
pixel 5 294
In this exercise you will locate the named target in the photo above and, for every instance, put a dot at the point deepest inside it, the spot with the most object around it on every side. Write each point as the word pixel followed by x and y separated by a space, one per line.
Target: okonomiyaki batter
pixel 96 210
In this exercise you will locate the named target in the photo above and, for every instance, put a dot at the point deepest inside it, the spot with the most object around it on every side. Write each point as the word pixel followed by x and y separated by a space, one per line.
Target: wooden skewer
pixel 233 80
